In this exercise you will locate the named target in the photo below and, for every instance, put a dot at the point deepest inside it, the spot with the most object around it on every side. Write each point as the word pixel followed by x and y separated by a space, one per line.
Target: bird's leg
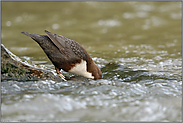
pixel 59 73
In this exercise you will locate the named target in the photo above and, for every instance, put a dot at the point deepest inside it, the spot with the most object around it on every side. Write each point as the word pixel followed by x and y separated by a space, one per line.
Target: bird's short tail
pixel 36 37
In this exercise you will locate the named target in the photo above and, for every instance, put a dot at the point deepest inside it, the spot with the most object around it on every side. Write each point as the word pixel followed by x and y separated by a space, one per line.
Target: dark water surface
pixel 143 36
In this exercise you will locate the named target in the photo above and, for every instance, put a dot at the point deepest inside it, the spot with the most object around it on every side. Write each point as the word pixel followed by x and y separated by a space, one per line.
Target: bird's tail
pixel 36 37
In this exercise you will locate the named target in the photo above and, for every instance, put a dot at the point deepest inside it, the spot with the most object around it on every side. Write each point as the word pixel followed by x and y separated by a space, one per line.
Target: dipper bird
pixel 67 54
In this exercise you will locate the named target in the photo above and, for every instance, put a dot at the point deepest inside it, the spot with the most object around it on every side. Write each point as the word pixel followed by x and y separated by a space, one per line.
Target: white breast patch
pixel 80 69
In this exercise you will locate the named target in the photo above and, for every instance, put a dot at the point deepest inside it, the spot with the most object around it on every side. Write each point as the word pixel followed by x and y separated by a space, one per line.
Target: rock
pixel 13 68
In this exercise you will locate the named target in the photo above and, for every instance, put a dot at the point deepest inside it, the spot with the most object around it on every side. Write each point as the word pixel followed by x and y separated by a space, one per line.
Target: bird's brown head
pixel 95 70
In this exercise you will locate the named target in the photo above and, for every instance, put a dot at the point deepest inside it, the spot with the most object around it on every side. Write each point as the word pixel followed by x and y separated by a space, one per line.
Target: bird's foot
pixel 59 73
pixel 63 77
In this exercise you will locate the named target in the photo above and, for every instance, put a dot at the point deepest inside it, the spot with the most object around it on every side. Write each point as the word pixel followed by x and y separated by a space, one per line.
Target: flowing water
pixel 137 46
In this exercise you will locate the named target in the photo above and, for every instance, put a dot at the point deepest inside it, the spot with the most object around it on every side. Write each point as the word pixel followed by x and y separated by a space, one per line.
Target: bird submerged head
pixel 95 71
pixel 88 70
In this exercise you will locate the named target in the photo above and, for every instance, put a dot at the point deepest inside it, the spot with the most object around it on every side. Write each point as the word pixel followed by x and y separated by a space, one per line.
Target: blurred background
pixel 101 27
pixel 139 35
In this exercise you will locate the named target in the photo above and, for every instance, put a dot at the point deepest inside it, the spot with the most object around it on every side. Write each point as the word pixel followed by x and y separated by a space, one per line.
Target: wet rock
pixel 13 68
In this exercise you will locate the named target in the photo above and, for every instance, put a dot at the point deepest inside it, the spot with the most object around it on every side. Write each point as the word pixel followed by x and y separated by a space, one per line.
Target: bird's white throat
pixel 80 69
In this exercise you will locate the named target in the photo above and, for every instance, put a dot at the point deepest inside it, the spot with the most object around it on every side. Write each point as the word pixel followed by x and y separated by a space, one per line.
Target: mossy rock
pixel 13 68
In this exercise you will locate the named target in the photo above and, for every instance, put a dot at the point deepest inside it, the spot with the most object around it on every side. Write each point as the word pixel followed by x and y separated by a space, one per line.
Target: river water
pixel 137 45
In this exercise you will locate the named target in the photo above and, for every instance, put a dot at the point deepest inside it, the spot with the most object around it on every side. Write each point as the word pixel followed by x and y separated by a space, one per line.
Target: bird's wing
pixel 67 46
pixel 77 49
pixel 57 40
